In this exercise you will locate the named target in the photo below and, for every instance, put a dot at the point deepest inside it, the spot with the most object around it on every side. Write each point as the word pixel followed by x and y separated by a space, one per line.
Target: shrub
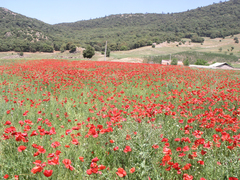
pixel 197 39
pixel 153 46
pixel 236 40
pixel 123 48
pixel 174 61
pixel 47 48
pixel 200 62
pixel 17 49
pixel 21 53
pixel 186 62
pixel 108 53
pixel 63 48
pixel 89 52
pixel 97 47
pixel 72 48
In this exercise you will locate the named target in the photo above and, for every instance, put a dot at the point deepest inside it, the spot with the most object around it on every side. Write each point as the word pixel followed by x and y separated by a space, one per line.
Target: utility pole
pixel 105 54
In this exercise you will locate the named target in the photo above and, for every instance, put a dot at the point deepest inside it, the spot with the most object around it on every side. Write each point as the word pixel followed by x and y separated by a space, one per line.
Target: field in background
pixel 209 51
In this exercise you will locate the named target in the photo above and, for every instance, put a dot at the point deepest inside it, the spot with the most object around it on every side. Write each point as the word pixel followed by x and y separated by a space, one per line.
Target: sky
pixel 58 11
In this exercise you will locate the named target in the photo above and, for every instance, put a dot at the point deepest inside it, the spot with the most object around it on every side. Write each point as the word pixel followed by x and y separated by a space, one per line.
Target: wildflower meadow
pixel 64 119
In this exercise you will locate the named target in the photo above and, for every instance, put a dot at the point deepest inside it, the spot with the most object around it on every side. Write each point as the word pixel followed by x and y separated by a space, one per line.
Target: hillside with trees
pixel 122 31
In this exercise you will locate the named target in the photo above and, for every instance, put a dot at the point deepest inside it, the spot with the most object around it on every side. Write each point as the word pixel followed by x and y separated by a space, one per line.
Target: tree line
pixel 122 31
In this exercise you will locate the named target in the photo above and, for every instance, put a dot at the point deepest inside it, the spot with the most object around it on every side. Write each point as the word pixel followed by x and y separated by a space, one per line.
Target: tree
pixel 47 48
pixel 68 45
pixel 174 61
pixel 186 62
pixel 197 39
pixel 72 48
pixel 200 62
pixel 123 48
pixel 89 52
pixel 97 47
pixel 108 53
pixel 63 48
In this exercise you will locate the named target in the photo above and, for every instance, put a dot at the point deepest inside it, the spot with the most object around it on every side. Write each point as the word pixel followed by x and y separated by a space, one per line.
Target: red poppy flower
pixel 185 148
pixel 81 158
pixel 111 141
pixel 89 171
pixel 21 148
pixel 102 167
pixel 128 137
pixel 132 170
pixel 6 176
pixel 127 149
pixel 36 169
pixel 155 146
pixel 67 163
pixel 95 159
pixel 48 173
pixel 116 148
pixel 7 123
pixel 186 167
pixel 121 172
pixel 200 162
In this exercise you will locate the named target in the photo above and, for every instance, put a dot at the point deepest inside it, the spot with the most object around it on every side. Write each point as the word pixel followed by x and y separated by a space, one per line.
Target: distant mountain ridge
pixel 122 31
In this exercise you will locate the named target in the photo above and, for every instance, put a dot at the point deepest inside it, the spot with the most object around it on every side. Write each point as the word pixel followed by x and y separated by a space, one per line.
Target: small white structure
pixel 166 62
pixel 222 65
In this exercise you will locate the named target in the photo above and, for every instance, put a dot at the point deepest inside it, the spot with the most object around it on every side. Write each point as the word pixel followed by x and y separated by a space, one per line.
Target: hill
pixel 130 31
pixel 21 33
pixel 122 31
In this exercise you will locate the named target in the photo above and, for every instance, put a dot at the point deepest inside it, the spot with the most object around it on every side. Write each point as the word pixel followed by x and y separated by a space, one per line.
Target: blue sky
pixel 57 11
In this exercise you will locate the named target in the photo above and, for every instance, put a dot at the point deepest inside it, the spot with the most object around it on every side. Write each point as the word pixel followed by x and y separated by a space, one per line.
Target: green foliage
pixel 186 62
pixel 201 62
pixel 155 59
pixel 153 46
pixel 89 52
pixel 72 48
pixel 123 48
pixel 108 53
pixel 63 48
pixel 220 49
pixel 97 47
pixel 193 56
pixel 21 53
pixel 236 40
pixel 47 48
pixel 124 32
pixel 68 45
pixel 17 49
pixel 174 61
pixel 197 39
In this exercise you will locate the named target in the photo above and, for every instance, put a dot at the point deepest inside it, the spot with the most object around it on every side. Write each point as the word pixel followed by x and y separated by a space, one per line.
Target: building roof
pixel 219 64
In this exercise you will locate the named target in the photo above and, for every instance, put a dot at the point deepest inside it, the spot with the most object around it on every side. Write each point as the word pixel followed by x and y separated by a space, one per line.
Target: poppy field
pixel 65 119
